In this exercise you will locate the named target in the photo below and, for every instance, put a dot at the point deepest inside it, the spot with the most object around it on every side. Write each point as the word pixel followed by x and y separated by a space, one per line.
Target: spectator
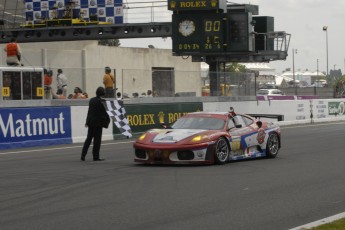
pixel 108 81
pixel 61 81
pixel 149 93
pixel 125 95
pixel 143 95
pixel 135 95
pixel 118 96
pixel 13 53
pixel 78 93
pixel 48 79
pixel 58 94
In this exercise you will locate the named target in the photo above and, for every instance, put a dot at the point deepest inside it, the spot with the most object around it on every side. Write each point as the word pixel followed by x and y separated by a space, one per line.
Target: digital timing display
pixel 194 34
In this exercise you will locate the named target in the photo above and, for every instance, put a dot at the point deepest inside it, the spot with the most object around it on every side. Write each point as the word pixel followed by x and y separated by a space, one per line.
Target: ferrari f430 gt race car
pixel 208 138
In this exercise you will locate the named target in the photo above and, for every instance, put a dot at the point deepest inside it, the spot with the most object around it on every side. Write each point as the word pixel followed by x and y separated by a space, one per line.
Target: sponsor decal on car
pixel 261 136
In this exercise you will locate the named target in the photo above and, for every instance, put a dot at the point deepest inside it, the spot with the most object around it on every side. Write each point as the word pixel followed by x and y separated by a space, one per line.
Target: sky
pixel 303 19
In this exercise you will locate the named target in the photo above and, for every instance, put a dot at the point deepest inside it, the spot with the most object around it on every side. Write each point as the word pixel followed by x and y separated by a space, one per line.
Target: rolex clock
pixel 186 27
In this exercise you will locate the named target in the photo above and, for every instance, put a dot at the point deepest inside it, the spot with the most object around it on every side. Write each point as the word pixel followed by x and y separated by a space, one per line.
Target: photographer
pixel 48 79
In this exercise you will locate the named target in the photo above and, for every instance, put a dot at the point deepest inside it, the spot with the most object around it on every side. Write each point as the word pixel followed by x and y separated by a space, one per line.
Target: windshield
pixel 199 123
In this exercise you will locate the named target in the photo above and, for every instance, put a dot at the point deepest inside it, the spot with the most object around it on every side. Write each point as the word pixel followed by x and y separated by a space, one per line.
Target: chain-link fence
pixel 166 82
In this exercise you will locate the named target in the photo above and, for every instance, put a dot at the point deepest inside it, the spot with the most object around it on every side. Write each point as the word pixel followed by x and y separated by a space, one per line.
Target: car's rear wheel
pixel 272 147
pixel 222 151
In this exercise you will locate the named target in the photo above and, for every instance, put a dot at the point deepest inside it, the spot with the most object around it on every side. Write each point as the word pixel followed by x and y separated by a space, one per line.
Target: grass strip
pixel 336 225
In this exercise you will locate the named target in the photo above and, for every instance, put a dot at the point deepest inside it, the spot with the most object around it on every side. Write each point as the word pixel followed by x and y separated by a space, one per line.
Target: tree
pixel 234 67
pixel 109 42
pixel 335 73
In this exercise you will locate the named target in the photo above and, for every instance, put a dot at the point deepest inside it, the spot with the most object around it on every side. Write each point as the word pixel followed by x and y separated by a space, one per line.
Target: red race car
pixel 209 138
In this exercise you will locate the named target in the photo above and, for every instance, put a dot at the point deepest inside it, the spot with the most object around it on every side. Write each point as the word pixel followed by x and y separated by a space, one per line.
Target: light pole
pixel 317 71
pixel 293 69
pixel 316 80
pixel 325 29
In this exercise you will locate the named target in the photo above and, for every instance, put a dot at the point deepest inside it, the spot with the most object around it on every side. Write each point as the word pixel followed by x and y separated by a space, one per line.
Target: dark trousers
pixel 94 133
pixel 109 93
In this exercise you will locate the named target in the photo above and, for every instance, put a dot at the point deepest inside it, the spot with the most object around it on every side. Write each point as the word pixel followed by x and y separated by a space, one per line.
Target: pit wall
pixel 53 125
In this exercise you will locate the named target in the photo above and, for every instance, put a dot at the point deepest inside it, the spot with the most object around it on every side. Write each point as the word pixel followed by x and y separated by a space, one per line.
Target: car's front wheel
pixel 222 151
pixel 272 147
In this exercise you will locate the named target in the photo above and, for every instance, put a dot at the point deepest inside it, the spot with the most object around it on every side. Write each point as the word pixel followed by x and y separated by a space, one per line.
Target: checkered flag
pixel 117 113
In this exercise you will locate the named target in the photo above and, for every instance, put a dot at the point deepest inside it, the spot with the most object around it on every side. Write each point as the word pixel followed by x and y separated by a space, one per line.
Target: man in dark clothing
pixel 97 119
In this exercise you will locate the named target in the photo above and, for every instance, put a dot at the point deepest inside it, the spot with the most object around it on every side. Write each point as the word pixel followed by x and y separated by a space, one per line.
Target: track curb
pixel 320 222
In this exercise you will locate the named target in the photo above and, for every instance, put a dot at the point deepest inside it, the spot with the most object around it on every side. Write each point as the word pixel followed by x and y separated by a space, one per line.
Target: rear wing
pixel 279 117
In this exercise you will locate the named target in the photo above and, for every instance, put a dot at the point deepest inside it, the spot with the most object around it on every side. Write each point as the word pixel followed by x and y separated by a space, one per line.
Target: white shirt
pixel 61 80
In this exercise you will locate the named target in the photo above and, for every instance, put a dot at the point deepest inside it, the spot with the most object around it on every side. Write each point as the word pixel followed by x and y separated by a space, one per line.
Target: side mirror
pixel 164 126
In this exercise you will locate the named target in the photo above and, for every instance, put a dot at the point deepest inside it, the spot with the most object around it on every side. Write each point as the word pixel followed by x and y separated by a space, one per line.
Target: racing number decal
pixel 235 145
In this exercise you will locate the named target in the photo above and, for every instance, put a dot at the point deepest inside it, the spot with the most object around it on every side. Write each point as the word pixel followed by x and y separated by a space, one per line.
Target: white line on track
pixel 291 126
pixel 71 147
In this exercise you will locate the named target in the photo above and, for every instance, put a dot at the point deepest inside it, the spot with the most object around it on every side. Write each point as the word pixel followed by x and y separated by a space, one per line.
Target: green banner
pixel 336 108
pixel 143 117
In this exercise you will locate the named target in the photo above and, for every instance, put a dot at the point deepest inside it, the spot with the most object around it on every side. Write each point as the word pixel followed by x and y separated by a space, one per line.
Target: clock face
pixel 186 27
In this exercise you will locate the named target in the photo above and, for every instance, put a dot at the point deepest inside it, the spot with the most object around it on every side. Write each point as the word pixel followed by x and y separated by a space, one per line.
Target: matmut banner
pixel 26 127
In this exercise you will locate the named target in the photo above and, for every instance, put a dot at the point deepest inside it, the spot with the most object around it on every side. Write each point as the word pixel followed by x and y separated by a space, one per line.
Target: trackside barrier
pixel 286 97
pixel 38 126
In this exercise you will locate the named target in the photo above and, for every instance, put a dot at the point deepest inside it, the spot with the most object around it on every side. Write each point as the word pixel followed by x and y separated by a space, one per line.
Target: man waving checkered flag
pixel 117 113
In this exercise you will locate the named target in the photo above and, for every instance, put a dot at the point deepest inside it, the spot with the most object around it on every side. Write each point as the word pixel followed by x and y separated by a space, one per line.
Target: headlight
pixel 199 138
pixel 142 137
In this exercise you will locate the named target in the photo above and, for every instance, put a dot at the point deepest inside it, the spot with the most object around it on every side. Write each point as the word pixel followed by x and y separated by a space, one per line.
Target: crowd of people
pixel 78 93
pixel 61 92
pixel 147 94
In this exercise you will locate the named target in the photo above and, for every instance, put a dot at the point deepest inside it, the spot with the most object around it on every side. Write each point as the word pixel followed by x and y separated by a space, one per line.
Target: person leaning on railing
pixel 13 53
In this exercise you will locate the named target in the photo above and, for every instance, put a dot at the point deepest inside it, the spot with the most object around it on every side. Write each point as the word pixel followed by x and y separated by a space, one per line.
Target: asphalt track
pixel 50 188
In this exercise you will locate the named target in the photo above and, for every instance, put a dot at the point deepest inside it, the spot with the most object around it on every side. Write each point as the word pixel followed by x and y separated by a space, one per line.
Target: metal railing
pixel 133 83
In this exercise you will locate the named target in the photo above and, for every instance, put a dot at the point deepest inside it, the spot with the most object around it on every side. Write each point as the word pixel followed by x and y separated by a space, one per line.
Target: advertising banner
pixel 336 108
pixel 147 116
pixel 25 127
pixel 110 11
